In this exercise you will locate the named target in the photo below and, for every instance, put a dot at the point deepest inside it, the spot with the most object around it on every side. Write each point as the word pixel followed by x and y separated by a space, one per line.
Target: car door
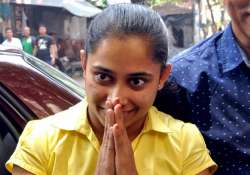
pixel 13 117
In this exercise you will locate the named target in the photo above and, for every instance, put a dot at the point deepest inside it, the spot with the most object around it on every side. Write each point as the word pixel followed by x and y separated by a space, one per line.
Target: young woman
pixel 115 130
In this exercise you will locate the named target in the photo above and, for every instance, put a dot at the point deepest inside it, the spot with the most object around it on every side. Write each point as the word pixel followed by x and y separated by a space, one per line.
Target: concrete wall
pixel 75 27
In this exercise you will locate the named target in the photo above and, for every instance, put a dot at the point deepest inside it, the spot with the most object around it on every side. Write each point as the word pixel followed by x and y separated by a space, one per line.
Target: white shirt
pixel 14 43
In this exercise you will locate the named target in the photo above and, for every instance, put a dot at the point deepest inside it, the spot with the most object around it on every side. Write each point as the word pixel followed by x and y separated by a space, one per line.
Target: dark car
pixel 29 89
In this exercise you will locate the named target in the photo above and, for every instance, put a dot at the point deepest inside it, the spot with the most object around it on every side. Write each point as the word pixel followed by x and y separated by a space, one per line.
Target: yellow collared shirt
pixel 65 144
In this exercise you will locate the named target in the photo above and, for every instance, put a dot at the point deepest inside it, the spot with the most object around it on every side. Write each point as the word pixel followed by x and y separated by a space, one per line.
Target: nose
pixel 119 94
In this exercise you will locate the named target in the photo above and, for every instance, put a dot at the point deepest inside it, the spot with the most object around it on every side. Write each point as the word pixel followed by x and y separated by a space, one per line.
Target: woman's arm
pixel 20 171
pixel 205 172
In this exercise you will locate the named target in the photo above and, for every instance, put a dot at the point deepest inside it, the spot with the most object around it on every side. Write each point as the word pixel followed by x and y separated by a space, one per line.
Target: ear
pixel 164 75
pixel 83 59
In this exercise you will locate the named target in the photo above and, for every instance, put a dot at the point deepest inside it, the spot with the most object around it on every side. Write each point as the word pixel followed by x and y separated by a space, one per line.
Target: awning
pixel 80 8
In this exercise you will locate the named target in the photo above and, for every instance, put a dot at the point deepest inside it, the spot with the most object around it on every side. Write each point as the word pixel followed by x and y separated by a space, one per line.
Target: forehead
pixel 132 52
pixel 42 28
pixel 237 3
pixel 124 46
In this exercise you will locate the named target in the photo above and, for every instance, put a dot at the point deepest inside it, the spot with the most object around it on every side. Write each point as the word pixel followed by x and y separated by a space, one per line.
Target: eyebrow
pixel 136 74
pixel 140 74
pixel 100 68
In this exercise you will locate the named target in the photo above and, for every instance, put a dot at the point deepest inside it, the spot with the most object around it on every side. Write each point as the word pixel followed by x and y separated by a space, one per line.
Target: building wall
pixel 75 27
pixel 65 24
pixel 57 20
pixel 180 32
pixel 5 17
pixel 54 21
pixel 70 29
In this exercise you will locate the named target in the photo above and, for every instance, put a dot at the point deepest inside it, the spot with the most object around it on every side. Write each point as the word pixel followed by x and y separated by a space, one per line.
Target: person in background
pixel 28 41
pixel 115 130
pixel 210 87
pixel 44 48
pixel 11 41
pixel 54 47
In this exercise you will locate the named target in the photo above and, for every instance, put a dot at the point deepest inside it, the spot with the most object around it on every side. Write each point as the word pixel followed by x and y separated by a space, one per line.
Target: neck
pixel 247 51
pixel 96 126
pixel 243 40
pixel 134 130
pixel 245 45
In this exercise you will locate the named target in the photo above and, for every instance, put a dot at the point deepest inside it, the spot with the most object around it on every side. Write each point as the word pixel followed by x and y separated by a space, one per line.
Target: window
pixel 7 143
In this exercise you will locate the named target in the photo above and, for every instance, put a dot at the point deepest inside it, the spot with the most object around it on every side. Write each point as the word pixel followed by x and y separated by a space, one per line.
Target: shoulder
pixel 16 39
pixel 184 143
pixel 4 42
pixel 174 126
pixel 181 128
pixel 199 51
pixel 177 132
pixel 48 37
pixel 187 135
pixel 34 147
pixel 39 132
pixel 33 38
pixel 42 138
pixel 53 127
pixel 195 63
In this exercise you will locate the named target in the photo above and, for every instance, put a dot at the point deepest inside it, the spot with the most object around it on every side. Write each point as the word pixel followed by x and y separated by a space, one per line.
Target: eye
pixel 137 82
pixel 101 77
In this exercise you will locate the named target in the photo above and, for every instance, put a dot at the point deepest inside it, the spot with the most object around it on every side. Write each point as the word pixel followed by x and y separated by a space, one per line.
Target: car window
pixel 7 144
pixel 14 108
pixel 55 74
pixel 40 92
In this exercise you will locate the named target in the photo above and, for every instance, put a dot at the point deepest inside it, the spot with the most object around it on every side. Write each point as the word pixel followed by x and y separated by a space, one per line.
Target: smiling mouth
pixel 125 113
pixel 128 112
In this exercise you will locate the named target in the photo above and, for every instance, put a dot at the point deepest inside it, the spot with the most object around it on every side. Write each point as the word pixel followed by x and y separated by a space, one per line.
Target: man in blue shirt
pixel 210 86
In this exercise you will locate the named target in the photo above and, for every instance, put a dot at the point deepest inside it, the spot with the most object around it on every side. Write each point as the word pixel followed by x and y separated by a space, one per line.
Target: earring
pixel 159 87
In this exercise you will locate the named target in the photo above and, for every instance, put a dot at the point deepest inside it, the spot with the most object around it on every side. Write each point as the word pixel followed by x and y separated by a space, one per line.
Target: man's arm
pixel 34 42
pixel 20 45
pixel 34 50
pixel 53 53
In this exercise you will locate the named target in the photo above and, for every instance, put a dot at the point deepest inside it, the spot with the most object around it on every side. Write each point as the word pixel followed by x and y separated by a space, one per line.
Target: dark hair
pixel 129 19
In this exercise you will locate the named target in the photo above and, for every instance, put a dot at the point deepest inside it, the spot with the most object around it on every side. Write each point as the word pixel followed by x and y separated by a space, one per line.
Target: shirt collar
pixel 156 121
pixel 228 50
pixel 75 119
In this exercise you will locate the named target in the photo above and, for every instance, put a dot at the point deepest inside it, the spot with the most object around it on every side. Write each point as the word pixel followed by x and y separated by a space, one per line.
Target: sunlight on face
pixel 122 68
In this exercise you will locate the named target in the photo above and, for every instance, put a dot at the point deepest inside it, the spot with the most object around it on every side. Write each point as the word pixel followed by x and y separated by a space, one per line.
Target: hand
pixel 124 156
pixel 106 159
